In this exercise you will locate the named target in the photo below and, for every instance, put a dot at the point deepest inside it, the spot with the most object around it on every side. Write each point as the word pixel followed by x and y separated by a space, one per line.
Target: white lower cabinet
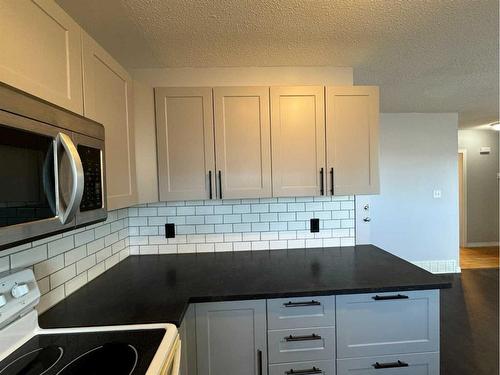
pixel 390 333
pixel 231 338
pixel 402 364
pixel 374 324
pixel 303 368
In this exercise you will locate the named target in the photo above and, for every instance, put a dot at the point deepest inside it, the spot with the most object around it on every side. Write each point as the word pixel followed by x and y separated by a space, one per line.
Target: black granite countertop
pixel 159 288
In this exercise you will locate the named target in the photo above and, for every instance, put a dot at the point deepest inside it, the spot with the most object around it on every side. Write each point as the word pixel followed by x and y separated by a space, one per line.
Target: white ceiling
pixel 427 56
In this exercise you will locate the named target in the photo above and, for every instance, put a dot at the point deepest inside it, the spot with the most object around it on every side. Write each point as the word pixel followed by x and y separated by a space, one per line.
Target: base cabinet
pixel 405 364
pixel 231 338
pixel 360 334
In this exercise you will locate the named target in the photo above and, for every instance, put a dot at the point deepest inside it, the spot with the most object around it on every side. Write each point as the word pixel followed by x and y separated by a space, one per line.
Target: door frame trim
pixel 463 218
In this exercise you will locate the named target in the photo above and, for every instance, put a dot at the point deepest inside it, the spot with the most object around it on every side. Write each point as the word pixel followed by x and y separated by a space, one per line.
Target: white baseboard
pixel 482 244
pixel 439 266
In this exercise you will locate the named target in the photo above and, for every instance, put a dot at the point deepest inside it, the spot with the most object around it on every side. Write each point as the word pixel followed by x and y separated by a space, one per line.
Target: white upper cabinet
pixel 41 51
pixel 298 140
pixel 108 100
pixel 242 142
pixel 352 139
pixel 185 138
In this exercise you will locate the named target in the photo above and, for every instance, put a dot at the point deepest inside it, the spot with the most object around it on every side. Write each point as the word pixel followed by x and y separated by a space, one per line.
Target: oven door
pixel 92 207
pixel 41 180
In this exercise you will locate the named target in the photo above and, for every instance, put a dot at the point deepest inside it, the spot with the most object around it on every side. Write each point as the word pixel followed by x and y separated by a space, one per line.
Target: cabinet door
pixel 108 100
pixel 374 324
pixel 185 136
pixel 41 52
pixel 298 140
pixel 352 139
pixel 231 338
pixel 242 139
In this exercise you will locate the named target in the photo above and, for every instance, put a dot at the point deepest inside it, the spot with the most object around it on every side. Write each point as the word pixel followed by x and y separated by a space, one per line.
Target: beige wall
pixel 482 185
pixel 146 79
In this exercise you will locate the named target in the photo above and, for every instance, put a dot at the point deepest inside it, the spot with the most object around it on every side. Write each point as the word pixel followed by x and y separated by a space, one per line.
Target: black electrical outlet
pixel 169 230
pixel 314 225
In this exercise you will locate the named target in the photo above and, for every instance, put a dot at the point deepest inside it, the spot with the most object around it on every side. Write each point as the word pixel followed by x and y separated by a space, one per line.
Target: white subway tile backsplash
pixel 75 255
pixel 84 237
pixel 63 275
pixel 28 257
pixel 223 210
pixel 102 231
pixel 60 246
pixel 242 246
pixel 75 283
pixel 167 249
pixel 64 263
pixel 48 266
pixel 84 264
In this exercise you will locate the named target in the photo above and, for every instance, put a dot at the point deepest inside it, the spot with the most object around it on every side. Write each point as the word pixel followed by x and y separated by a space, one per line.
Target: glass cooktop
pixel 92 353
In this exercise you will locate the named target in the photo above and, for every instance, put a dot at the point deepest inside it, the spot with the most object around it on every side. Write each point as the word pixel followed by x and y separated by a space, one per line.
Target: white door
pixel 352 139
pixel 108 100
pixel 185 138
pixel 242 141
pixel 41 52
pixel 231 338
pixel 298 140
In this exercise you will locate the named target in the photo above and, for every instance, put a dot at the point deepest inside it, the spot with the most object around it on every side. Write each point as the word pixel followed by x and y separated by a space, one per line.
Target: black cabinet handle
pixel 259 362
pixel 378 365
pixel 395 296
pixel 311 371
pixel 302 304
pixel 332 190
pixel 220 184
pixel 322 184
pixel 302 338
pixel 210 184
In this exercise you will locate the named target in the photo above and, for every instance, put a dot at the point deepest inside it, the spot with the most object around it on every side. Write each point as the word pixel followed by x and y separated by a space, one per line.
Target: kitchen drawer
pixel 301 312
pixel 304 368
pixel 409 364
pixel 386 323
pixel 298 345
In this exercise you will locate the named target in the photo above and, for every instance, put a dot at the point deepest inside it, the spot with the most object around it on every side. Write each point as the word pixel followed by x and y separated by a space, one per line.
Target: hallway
pixel 469 324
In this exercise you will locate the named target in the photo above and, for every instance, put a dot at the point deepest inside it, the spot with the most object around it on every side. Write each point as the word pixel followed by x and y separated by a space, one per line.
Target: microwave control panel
pixel 92 190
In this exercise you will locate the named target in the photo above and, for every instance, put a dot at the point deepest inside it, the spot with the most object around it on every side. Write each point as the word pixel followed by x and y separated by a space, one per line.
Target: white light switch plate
pixel 437 194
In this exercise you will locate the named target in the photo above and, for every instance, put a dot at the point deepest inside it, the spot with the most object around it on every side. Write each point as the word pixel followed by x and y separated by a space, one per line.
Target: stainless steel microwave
pixel 52 174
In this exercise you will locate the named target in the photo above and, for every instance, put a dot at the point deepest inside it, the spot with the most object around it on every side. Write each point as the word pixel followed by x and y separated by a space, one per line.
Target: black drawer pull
pixel 259 360
pixel 378 366
pixel 311 371
pixel 302 304
pixel 303 338
pixel 395 296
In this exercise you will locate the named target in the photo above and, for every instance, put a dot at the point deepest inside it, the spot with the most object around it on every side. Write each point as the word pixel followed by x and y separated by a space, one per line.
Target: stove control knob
pixel 19 290
pixel 3 300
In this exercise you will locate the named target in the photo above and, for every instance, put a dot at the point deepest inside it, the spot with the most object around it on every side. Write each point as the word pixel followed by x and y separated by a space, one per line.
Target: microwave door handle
pixel 75 162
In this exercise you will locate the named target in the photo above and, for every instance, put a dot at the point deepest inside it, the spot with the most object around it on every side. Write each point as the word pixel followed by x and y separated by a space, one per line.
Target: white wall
pixel 146 79
pixel 418 154
pixel 249 76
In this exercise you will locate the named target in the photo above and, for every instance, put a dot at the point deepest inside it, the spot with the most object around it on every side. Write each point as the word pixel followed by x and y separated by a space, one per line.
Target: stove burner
pixel 112 358
pixel 36 362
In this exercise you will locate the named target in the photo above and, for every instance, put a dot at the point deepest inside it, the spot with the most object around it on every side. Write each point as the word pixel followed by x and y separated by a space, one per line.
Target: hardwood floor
pixel 479 257
pixel 469 324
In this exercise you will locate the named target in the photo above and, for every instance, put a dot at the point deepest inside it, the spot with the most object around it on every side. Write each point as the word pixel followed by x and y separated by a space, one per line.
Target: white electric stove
pixel 25 348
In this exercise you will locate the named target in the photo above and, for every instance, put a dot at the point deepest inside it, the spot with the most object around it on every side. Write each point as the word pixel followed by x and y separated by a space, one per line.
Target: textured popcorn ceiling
pixel 427 56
